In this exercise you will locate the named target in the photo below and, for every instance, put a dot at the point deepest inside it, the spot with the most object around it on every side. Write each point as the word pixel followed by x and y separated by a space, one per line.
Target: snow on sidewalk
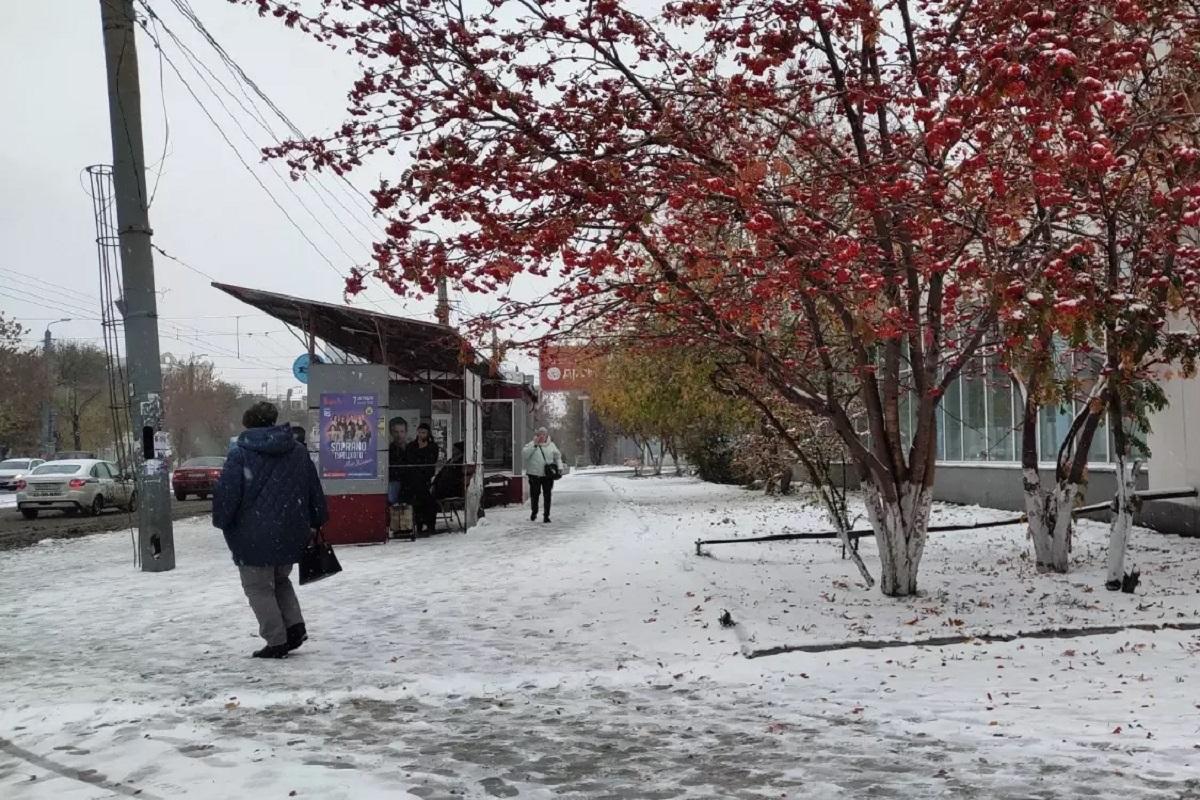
pixel 583 659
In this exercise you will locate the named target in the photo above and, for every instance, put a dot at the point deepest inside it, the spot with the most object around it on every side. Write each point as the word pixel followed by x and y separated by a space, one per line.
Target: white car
pixel 83 485
pixel 13 469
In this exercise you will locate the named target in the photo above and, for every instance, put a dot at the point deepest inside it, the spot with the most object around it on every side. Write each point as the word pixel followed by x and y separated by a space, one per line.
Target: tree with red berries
pixel 1113 149
pixel 833 192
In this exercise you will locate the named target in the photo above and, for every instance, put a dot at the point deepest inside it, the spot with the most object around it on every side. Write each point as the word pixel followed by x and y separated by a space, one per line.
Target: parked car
pixel 197 476
pixel 13 469
pixel 84 485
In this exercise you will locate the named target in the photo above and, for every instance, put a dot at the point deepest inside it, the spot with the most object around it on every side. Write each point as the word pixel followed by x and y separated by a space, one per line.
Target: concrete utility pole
pixel 443 303
pixel 49 437
pixel 156 540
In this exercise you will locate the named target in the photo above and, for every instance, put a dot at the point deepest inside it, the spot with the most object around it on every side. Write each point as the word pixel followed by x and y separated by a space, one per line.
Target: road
pixel 16 531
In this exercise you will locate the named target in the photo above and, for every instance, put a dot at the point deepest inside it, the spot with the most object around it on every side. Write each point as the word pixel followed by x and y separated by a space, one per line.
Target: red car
pixel 197 476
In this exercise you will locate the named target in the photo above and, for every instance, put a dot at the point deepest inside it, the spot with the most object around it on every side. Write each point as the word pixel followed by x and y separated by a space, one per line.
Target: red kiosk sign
pixel 565 368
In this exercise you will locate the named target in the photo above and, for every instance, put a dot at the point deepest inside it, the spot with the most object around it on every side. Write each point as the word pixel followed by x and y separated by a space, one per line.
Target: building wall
pixel 1174 463
pixel 999 485
pixel 996 485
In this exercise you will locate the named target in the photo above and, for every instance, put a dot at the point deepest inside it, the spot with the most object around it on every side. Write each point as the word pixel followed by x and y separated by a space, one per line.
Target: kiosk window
pixel 498 435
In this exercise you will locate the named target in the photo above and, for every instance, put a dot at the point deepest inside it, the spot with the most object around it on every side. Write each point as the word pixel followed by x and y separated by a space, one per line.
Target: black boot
pixel 546 518
pixel 297 635
pixel 533 516
pixel 272 651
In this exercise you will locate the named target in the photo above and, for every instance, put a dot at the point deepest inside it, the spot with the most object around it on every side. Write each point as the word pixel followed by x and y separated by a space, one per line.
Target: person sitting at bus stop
pixel 268 502
pixel 449 480
pixel 397 459
pixel 422 456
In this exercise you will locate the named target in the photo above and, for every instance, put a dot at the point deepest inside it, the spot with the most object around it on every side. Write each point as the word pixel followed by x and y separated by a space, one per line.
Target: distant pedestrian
pixel 268 503
pixel 422 457
pixel 543 465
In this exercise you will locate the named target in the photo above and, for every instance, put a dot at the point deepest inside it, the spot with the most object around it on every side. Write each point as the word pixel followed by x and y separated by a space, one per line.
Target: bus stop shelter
pixel 365 369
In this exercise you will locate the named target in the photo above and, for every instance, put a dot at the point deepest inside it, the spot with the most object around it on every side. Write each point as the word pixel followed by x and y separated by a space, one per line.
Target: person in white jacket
pixel 539 454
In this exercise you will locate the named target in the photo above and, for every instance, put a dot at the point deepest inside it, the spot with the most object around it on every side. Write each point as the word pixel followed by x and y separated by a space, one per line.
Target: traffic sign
pixel 301 365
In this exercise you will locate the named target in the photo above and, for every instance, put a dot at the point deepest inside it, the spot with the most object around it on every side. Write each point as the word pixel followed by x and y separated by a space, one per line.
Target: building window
pixel 1000 420
pixel 974 419
pixel 952 414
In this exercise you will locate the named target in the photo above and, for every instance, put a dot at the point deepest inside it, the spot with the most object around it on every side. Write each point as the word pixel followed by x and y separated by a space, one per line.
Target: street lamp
pixel 46 339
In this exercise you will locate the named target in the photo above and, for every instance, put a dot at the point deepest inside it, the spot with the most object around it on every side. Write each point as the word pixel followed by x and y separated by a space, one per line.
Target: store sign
pixel 349 436
pixel 565 369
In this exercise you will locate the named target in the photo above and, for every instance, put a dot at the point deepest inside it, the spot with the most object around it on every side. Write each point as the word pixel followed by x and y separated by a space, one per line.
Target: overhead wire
pixel 200 68
pixel 237 153
pixel 52 305
pixel 243 81
pixel 42 282
pixel 315 179
pixel 162 161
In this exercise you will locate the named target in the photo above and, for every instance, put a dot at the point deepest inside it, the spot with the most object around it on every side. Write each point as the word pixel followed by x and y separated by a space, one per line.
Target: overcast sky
pixel 208 211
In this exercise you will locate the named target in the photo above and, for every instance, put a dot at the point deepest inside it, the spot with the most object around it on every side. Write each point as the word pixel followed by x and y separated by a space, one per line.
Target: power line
pixel 236 152
pixel 41 282
pixel 59 308
pixel 162 162
pixel 314 180
pixel 200 68
pixel 184 264
pixel 243 80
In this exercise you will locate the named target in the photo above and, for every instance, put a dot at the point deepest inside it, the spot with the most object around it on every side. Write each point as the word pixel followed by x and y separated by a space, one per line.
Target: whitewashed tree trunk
pixel 839 524
pixel 1050 522
pixel 901 529
pixel 1122 522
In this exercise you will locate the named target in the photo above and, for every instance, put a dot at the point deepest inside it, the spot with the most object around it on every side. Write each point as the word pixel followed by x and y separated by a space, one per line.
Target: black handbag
pixel 551 470
pixel 318 561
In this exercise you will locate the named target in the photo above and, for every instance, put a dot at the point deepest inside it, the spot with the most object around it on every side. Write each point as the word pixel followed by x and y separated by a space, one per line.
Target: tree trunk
pixel 1049 510
pixel 1050 521
pixel 785 481
pixel 901 528
pixel 1122 522
pixel 1126 501
pixel 837 513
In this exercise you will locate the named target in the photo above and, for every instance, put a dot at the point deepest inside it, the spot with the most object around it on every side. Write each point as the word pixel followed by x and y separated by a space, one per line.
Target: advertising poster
pixel 349 431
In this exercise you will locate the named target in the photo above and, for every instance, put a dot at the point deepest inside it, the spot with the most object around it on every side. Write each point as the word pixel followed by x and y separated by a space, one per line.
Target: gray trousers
pixel 272 599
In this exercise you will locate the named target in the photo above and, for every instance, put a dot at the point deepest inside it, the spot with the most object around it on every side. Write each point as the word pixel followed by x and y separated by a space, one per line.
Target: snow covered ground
pixel 8 500
pixel 584 659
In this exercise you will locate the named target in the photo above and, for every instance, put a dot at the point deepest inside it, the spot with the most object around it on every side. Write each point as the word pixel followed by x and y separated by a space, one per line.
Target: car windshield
pixel 202 463
pixel 14 463
pixel 58 469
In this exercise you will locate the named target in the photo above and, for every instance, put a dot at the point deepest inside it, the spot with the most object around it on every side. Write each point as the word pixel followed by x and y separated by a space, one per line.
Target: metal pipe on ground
pixel 1143 495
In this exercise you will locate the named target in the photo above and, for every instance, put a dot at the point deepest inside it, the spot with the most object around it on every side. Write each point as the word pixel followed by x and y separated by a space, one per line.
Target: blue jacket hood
pixel 275 441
